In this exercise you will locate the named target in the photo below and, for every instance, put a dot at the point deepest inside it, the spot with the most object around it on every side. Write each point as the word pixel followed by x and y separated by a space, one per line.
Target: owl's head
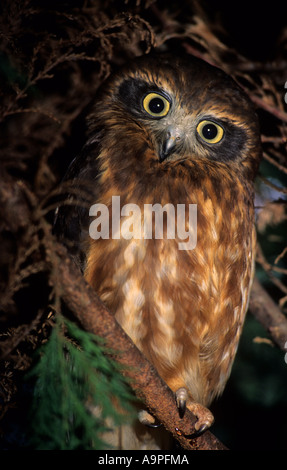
pixel 182 108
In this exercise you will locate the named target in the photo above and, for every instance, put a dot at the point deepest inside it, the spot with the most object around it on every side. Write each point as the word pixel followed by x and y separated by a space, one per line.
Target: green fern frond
pixel 77 387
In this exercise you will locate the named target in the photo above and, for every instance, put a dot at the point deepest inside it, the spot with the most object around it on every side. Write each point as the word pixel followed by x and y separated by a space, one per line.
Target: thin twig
pixel 268 314
pixel 268 268
pixel 271 160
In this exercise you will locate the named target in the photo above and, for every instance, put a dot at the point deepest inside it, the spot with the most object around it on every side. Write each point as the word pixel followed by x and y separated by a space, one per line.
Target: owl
pixel 161 218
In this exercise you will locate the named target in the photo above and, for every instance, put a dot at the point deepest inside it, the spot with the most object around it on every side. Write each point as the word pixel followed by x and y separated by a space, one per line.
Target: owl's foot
pixel 204 417
pixel 147 419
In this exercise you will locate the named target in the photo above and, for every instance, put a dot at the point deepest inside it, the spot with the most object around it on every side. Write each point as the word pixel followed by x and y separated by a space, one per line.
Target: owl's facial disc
pixel 181 125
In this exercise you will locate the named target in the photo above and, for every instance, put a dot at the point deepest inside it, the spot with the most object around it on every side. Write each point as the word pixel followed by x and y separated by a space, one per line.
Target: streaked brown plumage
pixel 184 309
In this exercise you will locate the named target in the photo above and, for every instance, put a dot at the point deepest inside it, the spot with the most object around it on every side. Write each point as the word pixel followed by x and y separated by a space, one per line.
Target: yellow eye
pixel 210 132
pixel 156 105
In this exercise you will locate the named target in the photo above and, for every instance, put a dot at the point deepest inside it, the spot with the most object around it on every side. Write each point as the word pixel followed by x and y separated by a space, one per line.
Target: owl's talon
pixel 202 428
pixel 204 417
pixel 181 396
pixel 147 419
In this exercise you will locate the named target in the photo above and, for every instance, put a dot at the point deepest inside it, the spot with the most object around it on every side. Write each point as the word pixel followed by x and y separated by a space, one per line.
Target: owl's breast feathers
pixel 183 308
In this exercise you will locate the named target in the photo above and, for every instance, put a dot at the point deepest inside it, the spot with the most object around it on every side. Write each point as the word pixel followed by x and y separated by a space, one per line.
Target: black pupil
pixel 156 105
pixel 209 131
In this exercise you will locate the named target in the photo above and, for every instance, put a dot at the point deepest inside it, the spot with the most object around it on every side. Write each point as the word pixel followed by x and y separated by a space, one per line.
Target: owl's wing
pixel 78 193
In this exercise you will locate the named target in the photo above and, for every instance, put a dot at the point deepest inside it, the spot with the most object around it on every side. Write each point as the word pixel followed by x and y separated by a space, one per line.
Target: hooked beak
pixel 171 140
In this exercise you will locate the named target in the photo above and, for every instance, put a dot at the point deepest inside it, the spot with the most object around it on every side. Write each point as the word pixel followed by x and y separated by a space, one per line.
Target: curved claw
pixel 148 420
pixel 155 425
pixel 181 396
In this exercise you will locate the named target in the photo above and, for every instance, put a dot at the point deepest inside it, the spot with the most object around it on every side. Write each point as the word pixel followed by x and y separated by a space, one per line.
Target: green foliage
pixel 77 387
